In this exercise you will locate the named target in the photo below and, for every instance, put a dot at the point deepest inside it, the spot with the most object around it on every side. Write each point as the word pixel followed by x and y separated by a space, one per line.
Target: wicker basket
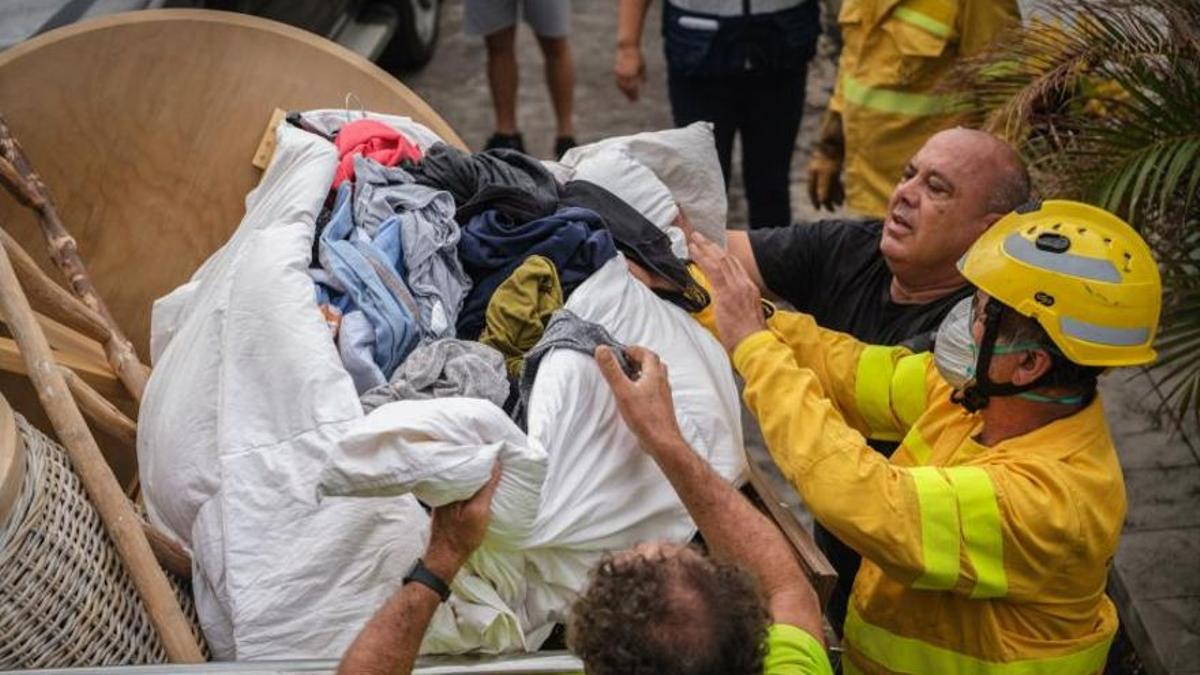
pixel 65 598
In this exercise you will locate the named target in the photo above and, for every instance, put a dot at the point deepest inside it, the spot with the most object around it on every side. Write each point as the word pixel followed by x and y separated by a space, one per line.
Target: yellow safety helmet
pixel 1082 273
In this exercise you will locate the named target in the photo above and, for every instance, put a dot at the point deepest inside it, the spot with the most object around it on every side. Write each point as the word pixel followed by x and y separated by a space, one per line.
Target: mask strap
pixel 1017 347
pixel 1065 400
pixel 975 396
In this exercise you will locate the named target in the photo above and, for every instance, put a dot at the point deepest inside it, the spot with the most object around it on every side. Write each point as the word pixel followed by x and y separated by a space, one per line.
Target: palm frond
pixel 1102 97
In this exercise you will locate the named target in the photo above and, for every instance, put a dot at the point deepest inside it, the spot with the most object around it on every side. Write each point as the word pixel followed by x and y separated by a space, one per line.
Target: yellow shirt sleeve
pixel 829 461
pixel 791 651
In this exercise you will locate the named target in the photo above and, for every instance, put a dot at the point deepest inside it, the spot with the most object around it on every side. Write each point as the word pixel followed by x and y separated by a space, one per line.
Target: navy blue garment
pixel 747 76
pixel 493 246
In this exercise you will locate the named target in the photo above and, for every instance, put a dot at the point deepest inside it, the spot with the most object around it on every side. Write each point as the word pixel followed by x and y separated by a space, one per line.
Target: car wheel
pixel 416 35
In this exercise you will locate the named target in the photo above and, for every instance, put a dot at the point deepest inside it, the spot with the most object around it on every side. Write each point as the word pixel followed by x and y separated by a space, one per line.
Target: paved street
pixel 455 84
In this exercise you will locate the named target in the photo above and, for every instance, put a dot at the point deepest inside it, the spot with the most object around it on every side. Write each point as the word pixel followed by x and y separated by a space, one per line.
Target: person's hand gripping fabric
pixel 391 639
pixel 739 307
pixel 645 401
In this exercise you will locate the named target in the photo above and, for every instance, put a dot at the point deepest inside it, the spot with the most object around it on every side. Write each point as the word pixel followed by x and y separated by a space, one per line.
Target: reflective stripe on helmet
pixel 1103 335
pixel 1083 267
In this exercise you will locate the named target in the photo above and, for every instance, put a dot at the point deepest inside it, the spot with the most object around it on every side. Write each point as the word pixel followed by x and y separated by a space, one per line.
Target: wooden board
pixel 818 568
pixel 266 146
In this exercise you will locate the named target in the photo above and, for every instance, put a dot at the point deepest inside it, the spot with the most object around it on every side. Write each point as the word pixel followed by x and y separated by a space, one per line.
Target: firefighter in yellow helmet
pixel 885 106
pixel 986 537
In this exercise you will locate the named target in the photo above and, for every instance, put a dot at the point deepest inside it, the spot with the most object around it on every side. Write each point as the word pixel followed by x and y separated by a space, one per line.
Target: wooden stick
pixel 106 416
pixel 98 375
pixel 120 520
pixel 52 298
pixel 816 566
pixel 24 183
pixel 170 554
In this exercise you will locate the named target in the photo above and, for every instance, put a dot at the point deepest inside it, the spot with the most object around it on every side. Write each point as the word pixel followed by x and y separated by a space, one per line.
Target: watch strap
pixel 424 576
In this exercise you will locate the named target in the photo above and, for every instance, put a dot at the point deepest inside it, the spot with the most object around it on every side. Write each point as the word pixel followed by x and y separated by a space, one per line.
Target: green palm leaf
pixel 1103 99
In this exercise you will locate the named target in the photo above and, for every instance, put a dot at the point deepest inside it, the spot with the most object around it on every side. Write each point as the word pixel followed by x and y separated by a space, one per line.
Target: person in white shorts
pixel 496 21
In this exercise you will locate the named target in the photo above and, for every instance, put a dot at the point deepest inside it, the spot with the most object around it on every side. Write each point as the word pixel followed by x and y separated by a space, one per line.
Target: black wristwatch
pixel 423 575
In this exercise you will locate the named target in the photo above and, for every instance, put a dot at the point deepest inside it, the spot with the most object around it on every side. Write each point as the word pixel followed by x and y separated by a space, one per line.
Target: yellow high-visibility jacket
pixel 975 559
pixel 894 53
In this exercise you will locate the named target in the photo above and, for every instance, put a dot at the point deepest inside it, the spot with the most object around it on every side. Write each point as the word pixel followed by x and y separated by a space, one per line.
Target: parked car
pixel 399 35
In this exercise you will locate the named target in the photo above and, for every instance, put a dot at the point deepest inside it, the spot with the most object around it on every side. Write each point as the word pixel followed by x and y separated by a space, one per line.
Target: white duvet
pixel 301 512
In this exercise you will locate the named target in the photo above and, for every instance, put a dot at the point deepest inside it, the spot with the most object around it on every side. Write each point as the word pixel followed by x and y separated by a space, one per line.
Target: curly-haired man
pixel 657 608
pixel 667 609
pixel 662 608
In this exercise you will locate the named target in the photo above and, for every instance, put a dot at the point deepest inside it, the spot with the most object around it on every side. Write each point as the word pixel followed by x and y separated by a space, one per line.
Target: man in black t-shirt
pixel 886 281
pixel 891 281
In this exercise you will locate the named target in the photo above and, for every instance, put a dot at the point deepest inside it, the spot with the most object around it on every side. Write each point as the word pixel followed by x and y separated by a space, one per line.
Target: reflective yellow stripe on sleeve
pixel 873 392
pixel 889 393
pixel 908 387
pixel 917 446
pixel 922 21
pixel 939 529
pixel 909 655
pixel 981 529
pixel 897 102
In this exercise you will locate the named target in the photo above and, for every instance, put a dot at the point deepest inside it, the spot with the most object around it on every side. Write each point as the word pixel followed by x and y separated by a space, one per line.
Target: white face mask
pixel 954 350
pixel 955 353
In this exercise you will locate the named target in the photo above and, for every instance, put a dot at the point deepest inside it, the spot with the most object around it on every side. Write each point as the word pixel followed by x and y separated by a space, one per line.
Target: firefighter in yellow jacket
pixel 987 537
pixel 884 105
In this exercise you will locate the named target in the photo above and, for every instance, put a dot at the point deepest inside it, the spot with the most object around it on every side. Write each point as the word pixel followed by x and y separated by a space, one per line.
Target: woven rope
pixel 65 598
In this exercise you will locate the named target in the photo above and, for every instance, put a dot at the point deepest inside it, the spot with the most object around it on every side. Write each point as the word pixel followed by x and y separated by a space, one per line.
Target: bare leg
pixel 502 77
pixel 560 79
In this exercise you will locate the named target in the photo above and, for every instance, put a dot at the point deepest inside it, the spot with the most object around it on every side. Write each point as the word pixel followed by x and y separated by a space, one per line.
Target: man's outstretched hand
pixel 737 298
pixel 644 400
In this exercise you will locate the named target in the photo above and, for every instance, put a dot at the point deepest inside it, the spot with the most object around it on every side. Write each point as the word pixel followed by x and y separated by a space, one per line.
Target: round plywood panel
pixel 144 126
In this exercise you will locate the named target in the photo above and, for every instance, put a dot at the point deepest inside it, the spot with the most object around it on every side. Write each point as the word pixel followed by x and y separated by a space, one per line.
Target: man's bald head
pixel 958 184
pixel 1006 177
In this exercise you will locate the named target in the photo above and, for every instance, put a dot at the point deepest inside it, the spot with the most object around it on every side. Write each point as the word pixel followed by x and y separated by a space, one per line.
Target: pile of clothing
pixel 419 247
pixel 393 316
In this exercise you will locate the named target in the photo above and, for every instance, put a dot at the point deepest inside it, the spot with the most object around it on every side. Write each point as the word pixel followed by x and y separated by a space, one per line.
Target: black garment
pixel 833 270
pixel 640 239
pixel 508 181
pixel 747 76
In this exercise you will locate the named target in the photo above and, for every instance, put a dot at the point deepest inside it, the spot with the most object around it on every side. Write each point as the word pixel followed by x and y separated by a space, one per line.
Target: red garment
pixel 371 139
